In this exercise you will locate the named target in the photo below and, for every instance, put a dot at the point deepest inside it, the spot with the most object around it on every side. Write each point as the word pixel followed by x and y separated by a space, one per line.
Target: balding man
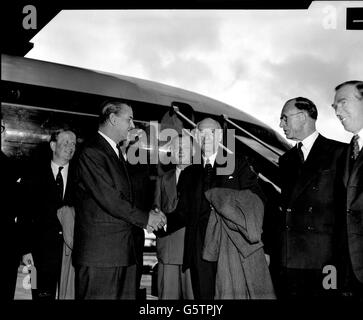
pixel 105 252
pixel 194 209
pixel 310 201
pixel 348 106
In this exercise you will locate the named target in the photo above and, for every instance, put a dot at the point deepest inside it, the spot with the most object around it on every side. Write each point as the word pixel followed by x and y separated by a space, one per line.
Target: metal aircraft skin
pixel 40 96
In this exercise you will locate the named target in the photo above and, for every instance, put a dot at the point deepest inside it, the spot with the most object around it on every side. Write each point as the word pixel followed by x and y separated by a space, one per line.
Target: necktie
pixel 208 173
pixel 355 150
pixel 59 183
pixel 300 152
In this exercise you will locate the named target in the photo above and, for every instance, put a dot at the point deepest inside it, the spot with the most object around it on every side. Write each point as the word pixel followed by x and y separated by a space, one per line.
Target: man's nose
pixel 132 125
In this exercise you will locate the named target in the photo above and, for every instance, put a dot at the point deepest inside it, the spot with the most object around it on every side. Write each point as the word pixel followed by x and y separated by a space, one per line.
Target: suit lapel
pixel 356 171
pixel 119 162
pixel 347 164
pixel 310 168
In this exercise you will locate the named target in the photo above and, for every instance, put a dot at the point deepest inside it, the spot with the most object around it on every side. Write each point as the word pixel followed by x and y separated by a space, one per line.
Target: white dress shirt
pixel 64 173
pixel 308 143
pixel 211 159
pixel 360 139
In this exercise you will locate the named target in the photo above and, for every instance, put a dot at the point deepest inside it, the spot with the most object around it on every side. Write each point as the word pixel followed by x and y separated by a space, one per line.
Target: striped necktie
pixel 355 149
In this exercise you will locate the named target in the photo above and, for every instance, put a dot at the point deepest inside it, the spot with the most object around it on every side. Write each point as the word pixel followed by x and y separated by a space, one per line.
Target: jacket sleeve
pixel 94 176
pixel 157 193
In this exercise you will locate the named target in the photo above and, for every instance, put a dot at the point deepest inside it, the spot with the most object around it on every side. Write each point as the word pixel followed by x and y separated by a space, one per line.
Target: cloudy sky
pixel 254 60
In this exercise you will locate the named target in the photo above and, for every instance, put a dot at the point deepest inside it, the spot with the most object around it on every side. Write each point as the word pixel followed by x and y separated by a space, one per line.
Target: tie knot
pixel 355 138
pixel 60 169
pixel 299 145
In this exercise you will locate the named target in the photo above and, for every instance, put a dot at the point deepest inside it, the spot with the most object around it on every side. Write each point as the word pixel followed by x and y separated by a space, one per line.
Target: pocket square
pixel 230 177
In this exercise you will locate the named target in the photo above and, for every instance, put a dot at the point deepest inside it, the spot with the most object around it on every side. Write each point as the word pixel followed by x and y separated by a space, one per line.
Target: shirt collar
pixel 56 166
pixel 110 141
pixel 360 139
pixel 309 141
pixel 212 159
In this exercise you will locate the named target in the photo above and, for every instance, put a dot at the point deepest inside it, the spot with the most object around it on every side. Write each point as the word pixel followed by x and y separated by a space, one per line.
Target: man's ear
pixel 111 118
pixel 52 145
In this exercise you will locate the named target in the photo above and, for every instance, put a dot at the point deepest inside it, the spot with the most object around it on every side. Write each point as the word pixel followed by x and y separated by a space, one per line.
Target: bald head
pixel 208 123
pixel 298 117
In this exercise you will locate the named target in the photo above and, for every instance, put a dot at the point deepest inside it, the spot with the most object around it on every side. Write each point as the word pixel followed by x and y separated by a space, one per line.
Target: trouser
pixel 112 283
pixel 173 283
pixel 203 273
pixel 48 277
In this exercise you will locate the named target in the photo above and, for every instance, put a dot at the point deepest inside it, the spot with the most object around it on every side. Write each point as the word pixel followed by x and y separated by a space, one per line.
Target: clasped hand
pixel 157 220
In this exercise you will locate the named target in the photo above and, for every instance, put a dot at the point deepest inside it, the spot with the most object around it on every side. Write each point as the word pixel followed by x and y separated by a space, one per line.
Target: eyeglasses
pixel 2 128
pixel 285 118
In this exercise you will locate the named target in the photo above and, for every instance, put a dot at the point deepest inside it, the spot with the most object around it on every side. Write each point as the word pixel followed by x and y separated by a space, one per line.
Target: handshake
pixel 157 220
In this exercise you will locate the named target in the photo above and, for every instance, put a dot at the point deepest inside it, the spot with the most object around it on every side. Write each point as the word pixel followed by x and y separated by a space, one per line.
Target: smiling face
pixel 292 121
pixel 64 147
pixel 348 106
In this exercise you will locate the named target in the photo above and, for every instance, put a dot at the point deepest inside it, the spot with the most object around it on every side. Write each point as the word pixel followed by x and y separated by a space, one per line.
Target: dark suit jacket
pixel 353 182
pixel 311 200
pixel 9 207
pixel 193 209
pixel 105 211
pixel 170 247
pixel 143 197
pixel 41 224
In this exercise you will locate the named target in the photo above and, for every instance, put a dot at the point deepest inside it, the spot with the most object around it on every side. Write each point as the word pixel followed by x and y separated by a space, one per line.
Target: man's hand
pixel 28 259
pixel 157 220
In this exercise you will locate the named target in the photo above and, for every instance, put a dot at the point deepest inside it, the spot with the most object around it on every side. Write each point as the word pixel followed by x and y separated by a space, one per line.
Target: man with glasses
pixel 348 107
pixel 310 202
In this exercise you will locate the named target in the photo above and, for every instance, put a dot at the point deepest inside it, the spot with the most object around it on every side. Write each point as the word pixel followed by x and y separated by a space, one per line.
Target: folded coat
pixel 233 239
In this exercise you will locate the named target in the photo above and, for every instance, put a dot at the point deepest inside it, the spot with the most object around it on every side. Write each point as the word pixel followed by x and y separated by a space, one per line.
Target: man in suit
pixel 348 106
pixel 193 209
pixel 104 252
pixel 173 282
pixel 48 189
pixel 9 204
pixel 310 201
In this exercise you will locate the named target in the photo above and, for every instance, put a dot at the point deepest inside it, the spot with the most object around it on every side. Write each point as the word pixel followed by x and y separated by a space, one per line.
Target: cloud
pixel 252 59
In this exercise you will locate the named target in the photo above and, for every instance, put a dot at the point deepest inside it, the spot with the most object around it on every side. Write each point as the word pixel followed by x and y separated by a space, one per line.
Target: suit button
pixel 310 210
pixel 287 227
pixel 60 232
pixel 311 228
pixel 315 188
